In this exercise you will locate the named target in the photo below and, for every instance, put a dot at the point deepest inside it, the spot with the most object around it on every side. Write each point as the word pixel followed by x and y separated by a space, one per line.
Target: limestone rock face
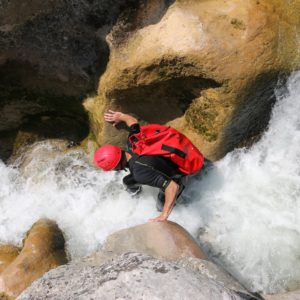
pixel 207 68
pixel 7 254
pixel 131 276
pixel 43 250
pixel 164 240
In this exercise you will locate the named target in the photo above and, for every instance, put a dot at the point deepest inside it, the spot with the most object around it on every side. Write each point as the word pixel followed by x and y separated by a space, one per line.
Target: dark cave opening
pixel 27 115
pixel 163 101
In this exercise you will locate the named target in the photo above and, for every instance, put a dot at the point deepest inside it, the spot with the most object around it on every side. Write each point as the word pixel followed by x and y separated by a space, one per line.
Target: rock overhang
pixel 227 48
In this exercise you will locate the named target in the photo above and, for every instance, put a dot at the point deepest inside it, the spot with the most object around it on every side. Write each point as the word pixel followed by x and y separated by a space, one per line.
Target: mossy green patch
pixel 201 116
pixel 238 24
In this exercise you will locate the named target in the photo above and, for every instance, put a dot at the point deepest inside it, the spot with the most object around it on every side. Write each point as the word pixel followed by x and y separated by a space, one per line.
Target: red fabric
pixel 151 138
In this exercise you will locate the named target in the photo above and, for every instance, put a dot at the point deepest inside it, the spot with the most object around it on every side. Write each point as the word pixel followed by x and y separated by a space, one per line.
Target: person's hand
pixel 160 218
pixel 113 117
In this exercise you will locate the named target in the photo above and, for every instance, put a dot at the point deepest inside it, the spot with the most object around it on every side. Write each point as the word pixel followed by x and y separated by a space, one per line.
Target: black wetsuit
pixel 152 170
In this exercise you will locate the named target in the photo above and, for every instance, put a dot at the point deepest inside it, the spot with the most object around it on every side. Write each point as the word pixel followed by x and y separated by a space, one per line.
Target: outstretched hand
pixel 160 218
pixel 113 117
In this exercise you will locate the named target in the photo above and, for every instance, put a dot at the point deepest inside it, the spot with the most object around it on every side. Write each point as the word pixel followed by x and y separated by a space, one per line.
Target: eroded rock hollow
pixel 208 68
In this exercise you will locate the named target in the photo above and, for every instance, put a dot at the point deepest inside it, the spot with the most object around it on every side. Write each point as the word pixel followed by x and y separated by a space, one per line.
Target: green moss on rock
pixel 238 24
pixel 201 116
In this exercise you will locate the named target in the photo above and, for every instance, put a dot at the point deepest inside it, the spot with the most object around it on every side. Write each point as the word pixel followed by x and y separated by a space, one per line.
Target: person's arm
pixel 116 117
pixel 170 198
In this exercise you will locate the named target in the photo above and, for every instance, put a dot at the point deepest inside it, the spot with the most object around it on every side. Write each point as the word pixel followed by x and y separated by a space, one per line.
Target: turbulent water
pixel 245 212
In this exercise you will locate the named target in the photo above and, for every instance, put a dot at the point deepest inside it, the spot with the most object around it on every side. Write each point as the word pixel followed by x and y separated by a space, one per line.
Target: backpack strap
pixel 173 150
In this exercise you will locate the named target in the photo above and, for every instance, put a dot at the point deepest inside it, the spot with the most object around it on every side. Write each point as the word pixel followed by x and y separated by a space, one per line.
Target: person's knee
pixel 128 180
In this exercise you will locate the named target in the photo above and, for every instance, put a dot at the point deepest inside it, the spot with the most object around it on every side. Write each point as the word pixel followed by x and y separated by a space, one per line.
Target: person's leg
pixel 132 187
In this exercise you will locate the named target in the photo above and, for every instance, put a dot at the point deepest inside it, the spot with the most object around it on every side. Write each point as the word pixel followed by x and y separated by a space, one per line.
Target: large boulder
pixel 164 240
pixel 130 276
pixel 43 250
pixel 207 68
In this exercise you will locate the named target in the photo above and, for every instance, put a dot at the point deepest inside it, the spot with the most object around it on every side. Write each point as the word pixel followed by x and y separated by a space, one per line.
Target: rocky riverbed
pixel 212 69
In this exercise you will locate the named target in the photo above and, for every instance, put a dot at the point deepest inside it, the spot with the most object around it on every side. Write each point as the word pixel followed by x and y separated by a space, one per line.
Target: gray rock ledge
pixel 129 276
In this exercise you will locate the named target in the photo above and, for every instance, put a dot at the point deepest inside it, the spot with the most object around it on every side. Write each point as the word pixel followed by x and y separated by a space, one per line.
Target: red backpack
pixel 166 141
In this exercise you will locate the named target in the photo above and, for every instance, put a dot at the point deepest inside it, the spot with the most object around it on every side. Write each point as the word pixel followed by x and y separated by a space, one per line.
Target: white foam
pixel 86 203
pixel 245 212
pixel 250 204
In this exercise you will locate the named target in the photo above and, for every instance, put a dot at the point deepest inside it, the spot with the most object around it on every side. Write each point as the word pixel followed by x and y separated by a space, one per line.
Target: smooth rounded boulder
pixel 165 240
pixel 44 249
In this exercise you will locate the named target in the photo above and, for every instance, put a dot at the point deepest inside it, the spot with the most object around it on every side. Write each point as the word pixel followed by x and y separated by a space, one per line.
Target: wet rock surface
pixel 165 240
pixel 43 250
pixel 130 276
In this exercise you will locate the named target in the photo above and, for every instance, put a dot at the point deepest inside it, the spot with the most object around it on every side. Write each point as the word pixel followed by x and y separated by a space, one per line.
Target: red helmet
pixel 107 157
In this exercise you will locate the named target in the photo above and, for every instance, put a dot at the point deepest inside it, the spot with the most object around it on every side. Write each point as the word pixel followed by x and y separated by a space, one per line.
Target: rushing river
pixel 246 212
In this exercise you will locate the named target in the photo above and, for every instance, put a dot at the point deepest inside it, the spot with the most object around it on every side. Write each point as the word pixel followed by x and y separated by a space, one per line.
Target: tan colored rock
pixel 165 240
pixel 7 254
pixel 43 250
pixel 207 68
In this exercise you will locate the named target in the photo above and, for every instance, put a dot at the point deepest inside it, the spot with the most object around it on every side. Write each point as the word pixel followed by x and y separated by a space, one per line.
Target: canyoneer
pixel 157 156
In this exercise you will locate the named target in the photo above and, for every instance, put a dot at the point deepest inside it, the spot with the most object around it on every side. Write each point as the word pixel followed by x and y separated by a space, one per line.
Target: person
pixel 151 170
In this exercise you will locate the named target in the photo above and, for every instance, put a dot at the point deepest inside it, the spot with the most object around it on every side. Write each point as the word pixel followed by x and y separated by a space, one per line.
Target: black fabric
pixel 173 150
pixel 134 129
pixel 150 170
pixel 129 181
pixel 153 170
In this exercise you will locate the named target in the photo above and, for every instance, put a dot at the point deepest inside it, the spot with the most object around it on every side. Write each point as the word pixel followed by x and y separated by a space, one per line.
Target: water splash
pixel 86 203
pixel 250 204
pixel 245 211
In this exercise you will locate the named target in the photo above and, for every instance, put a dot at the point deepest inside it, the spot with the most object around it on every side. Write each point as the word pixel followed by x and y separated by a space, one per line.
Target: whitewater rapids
pixel 245 212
